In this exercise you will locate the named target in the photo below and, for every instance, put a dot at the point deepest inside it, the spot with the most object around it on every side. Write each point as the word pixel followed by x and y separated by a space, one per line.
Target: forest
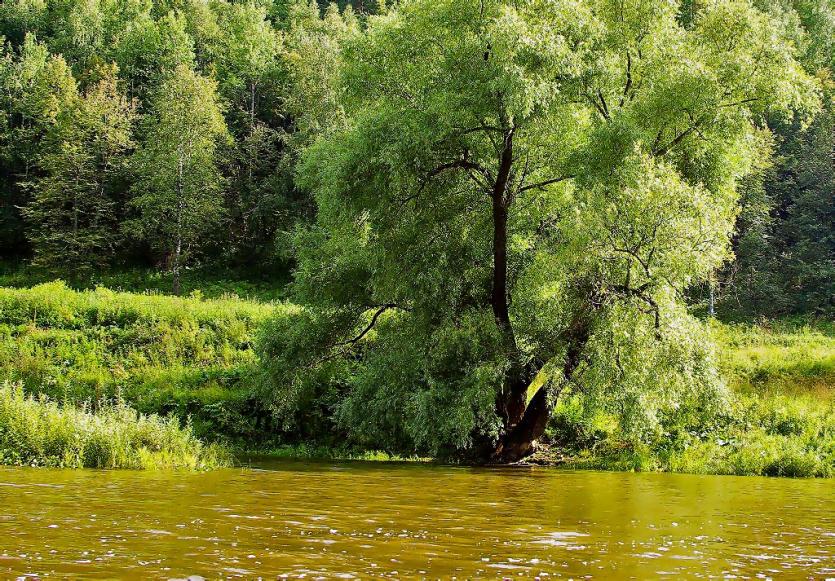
pixel 598 233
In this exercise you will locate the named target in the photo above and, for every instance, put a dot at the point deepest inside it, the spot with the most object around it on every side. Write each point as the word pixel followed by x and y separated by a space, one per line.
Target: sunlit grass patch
pixel 780 420
pixel 183 356
pixel 39 432
pixel 778 357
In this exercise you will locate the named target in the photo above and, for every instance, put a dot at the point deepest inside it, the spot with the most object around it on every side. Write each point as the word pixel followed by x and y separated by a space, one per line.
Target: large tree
pixel 520 194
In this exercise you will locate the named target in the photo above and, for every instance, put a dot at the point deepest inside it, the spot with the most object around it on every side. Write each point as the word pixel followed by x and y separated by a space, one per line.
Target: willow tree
pixel 519 196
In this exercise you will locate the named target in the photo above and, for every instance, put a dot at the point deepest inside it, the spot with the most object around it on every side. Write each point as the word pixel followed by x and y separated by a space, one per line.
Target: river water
pixel 390 520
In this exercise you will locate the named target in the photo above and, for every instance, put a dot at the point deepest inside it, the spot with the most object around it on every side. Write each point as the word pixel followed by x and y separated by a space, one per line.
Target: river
pixel 392 520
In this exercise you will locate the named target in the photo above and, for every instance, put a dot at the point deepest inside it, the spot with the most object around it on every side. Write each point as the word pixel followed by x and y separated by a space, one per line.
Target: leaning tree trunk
pixel 520 440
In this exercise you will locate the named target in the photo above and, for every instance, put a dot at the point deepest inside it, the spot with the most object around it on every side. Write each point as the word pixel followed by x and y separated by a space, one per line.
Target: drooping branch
pixel 600 109
pixel 640 293
pixel 695 126
pixel 380 310
pixel 548 182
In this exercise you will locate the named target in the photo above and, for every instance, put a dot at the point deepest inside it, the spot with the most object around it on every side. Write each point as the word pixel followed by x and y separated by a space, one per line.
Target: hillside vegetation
pixel 192 360
pixel 187 357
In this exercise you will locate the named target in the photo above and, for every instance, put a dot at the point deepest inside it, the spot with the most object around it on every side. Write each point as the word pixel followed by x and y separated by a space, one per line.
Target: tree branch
pixel 628 86
pixel 380 310
pixel 548 182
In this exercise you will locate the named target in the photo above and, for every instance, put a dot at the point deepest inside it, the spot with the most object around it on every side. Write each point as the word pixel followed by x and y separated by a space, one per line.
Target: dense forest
pixel 165 134
pixel 484 206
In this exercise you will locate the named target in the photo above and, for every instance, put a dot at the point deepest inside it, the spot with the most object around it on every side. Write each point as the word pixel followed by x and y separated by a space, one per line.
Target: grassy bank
pixel 247 284
pixel 188 357
pixel 38 432
pixel 780 420
pixel 308 451
pixel 100 354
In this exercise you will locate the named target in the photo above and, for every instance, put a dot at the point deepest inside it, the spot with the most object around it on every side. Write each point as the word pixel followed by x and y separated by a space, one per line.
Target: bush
pixel 781 421
pixel 39 432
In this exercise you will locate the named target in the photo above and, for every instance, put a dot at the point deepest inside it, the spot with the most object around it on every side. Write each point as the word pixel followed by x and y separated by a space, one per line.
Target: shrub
pixel 39 432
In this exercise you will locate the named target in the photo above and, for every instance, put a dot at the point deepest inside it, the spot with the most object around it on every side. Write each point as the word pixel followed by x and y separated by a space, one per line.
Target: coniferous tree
pixel 36 88
pixel 73 214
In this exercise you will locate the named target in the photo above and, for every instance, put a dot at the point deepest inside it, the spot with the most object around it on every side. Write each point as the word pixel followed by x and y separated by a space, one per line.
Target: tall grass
pixel 781 419
pixel 779 358
pixel 38 432
pixel 264 284
pixel 186 356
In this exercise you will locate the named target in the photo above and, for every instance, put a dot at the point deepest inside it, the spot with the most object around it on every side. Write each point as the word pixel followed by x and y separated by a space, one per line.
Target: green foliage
pixel 784 248
pixel 521 188
pixel 780 420
pixel 183 356
pixel 785 255
pixel 36 89
pixel 73 207
pixel 488 205
pixel 274 99
pixel 149 49
pixel 37 432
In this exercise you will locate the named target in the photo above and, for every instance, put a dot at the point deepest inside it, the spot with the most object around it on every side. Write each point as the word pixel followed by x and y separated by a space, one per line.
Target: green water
pixel 379 520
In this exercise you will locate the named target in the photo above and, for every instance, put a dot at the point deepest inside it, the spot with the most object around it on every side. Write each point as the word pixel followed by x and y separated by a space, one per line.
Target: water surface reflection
pixel 382 520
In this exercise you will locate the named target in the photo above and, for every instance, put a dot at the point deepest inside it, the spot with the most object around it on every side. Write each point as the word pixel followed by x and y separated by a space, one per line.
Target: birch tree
pixel 179 190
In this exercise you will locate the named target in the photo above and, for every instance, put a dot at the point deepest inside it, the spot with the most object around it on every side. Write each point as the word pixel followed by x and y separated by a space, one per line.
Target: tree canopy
pixel 516 202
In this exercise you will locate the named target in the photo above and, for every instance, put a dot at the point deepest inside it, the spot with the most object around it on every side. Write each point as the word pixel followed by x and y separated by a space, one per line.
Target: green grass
pixel 96 352
pixel 190 357
pixel 310 451
pixel 38 432
pixel 264 285
pixel 790 358
pixel 781 419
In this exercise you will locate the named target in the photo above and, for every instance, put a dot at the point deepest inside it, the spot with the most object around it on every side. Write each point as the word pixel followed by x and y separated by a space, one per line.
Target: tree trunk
pixel 511 404
pixel 175 270
pixel 523 422
pixel 178 249
pixel 520 441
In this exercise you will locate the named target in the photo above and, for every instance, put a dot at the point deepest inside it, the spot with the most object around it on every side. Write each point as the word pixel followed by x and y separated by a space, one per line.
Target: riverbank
pixel 779 421
pixel 39 432
pixel 192 360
